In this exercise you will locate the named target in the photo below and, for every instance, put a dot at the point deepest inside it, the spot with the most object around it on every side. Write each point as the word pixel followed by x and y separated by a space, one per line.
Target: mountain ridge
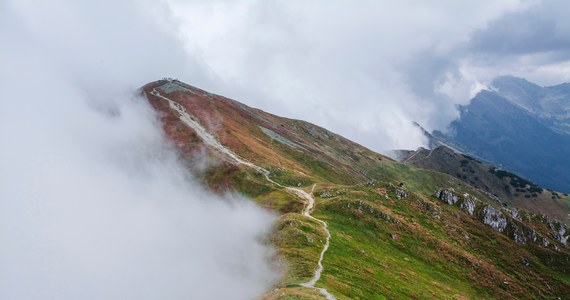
pixel 406 232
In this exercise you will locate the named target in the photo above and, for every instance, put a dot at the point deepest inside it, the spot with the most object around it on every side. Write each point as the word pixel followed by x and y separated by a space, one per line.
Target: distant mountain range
pixel 520 126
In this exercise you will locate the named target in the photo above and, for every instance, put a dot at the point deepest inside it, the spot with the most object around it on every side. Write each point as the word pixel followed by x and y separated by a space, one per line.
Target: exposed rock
pixel 559 231
pixel 275 136
pixel 468 205
pixel 494 218
pixel 514 213
pixel 447 196
pixel 519 236
pixel 532 235
pixel 561 235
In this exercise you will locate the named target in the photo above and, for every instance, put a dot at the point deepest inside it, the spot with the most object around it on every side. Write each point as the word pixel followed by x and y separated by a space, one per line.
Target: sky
pixel 369 69
pixel 93 201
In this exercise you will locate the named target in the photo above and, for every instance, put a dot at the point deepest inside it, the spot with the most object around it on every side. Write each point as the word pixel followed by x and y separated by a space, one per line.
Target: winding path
pixel 211 141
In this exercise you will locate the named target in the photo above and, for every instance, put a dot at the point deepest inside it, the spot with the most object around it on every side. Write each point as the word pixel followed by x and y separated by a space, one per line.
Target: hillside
pixel 521 126
pixel 507 188
pixel 392 230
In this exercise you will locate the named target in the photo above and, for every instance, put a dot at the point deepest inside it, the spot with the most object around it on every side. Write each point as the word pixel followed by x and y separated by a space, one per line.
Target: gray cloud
pixel 531 43
pixel 355 69
pixel 541 28
pixel 93 202
pixel 368 70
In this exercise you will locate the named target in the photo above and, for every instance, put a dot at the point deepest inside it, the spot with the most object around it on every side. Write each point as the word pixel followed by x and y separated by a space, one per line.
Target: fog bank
pixel 93 201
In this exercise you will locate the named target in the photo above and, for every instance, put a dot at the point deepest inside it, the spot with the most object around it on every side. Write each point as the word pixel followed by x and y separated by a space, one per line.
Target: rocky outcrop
pixel 468 204
pixel 519 236
pixel 447 196
pixel 509 221
pixel 494 218
pixel 559 231
pixel 514 213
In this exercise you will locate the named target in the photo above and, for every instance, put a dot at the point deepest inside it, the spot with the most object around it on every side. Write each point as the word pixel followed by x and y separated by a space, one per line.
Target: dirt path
pixel 211 141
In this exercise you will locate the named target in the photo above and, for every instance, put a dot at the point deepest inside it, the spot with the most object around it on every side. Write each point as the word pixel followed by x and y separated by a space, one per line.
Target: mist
pixel 94 203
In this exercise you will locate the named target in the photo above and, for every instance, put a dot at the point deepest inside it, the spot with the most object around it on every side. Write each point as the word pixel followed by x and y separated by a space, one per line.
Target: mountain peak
pixel 518 91
pixel 508 82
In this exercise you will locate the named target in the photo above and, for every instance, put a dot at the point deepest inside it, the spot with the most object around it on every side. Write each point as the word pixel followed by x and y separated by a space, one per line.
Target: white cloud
pixel 365 70
pixel 93 202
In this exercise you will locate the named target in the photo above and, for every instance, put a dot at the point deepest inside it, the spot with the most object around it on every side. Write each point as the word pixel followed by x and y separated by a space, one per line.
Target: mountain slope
pixel 391 235
pixel 522 127
pixel 507 188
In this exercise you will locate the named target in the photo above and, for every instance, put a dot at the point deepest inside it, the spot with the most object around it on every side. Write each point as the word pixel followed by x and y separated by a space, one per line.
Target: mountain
pixel 507 188
pixel 354 224
pixel 520 126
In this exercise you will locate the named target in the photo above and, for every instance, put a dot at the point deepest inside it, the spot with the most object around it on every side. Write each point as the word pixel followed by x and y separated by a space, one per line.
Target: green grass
pixel 300 241
pixel 385 248
pixel 287 178
pixel 382 248
pixel 427 259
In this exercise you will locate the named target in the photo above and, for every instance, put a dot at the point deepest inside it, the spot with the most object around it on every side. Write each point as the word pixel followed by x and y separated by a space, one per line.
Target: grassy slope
pixel 414 254
pixel 509 187
pixel 411 253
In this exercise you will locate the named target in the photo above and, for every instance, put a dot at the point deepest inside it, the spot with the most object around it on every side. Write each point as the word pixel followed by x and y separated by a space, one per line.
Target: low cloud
pixel 94 203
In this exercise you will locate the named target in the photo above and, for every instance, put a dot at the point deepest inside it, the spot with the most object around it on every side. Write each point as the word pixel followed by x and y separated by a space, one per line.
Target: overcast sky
pixel 367 69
